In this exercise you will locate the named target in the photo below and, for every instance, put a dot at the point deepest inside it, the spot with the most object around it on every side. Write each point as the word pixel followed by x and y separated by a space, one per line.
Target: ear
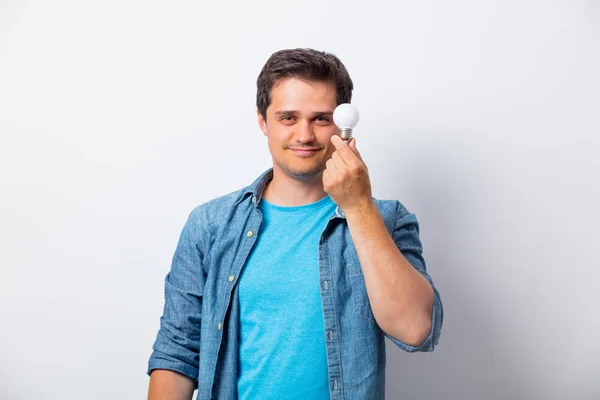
pixel 262 123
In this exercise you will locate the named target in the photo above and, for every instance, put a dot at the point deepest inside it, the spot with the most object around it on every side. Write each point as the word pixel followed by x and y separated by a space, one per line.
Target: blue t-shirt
pixel 282 337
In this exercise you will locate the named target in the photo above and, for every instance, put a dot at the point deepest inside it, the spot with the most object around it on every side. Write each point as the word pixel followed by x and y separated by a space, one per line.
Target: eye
pixel 322 120
pixel 287 118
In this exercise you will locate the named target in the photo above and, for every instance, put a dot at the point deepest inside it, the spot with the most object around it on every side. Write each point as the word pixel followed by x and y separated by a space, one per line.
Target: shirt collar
pixel 258 186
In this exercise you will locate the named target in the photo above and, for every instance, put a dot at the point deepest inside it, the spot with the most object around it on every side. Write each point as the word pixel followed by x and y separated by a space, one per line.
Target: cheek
pixel 277 138
pixel 324 134
pixel 280 133
pixel 274 145
pixel 326 140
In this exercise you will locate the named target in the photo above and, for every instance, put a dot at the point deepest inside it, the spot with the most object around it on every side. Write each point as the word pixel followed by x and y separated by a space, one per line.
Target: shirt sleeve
pixel 406 237
pixel 177 344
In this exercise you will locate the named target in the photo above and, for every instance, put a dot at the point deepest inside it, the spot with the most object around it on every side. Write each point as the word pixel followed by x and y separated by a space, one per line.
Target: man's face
pixel 299 126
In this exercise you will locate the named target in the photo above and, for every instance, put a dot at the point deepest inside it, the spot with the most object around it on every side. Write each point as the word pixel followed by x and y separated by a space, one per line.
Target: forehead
pixel 299 94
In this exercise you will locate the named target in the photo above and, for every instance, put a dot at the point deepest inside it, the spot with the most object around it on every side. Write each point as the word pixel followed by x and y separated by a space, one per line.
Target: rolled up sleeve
pixel 406 237
pixel 177 344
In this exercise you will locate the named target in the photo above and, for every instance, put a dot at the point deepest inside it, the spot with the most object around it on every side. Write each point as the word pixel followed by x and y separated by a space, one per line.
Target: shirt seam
pixel 337 329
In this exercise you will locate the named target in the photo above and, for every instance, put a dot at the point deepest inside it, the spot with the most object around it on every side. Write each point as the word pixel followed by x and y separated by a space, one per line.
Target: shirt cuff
pixel 160 360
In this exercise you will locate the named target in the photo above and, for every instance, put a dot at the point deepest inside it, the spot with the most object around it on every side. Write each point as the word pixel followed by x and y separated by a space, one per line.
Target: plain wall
pixel 483 118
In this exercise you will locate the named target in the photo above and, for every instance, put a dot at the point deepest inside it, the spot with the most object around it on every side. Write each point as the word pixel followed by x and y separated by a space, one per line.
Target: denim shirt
pixel 198 335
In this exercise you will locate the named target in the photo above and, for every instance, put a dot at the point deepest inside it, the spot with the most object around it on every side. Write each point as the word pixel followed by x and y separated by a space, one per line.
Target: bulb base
pixel 346 134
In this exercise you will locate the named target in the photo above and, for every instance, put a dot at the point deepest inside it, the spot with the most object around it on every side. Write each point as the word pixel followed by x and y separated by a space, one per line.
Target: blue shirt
pixel 198 335
pixel 282 341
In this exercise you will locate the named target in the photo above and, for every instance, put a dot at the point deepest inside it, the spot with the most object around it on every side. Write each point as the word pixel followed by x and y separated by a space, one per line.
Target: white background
pixel 483 118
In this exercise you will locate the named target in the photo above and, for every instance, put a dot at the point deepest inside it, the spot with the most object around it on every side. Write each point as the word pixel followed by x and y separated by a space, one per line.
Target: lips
pixel 304 151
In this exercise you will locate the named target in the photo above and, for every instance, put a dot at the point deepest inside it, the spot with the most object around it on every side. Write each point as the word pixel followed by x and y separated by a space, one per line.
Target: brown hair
pixel 308 64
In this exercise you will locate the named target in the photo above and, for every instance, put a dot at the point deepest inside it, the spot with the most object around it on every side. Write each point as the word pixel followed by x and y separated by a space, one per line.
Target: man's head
pixel 297 92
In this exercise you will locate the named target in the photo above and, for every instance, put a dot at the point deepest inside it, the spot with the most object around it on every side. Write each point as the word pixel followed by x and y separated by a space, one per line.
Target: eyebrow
pixel 291 112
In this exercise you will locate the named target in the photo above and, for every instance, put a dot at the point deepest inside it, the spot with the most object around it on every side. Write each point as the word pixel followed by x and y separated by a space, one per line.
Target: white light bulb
pixel 345 116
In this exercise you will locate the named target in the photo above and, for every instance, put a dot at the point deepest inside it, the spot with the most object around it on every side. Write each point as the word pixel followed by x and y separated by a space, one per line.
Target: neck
pixel 283 190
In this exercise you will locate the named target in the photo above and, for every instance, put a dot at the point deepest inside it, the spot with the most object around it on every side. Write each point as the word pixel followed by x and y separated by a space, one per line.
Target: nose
pixel 303 132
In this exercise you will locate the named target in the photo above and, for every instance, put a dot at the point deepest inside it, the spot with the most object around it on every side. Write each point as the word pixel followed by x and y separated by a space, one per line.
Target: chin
pixel 300 173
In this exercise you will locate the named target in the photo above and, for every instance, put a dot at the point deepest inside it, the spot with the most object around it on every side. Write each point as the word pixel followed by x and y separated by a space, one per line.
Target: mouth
pixel 304 151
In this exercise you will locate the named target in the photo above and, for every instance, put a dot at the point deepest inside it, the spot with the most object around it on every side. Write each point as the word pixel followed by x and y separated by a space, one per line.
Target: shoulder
pixel 224 208
pixel 206 220
pixel 391 209
pixel 395 214
pixel 215 210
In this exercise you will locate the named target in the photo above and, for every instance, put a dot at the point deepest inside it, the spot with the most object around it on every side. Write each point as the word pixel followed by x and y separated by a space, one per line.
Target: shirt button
pixel 330 335
pixel 250 234
pixel 231 278
pixel 325 284
pixel 219 326
pixel 335 385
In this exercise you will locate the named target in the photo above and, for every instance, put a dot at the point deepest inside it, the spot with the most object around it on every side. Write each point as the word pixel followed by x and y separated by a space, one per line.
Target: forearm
pixel 400 297
pixel 169 385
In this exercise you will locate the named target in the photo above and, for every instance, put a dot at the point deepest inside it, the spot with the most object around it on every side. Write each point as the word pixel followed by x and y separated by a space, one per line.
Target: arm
pixel 405 304
pixel 169 385
pixel 174 363
pixel 400 297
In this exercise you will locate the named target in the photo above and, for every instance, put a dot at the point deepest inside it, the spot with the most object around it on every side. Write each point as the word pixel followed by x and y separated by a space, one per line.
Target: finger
pixel 352 145
pixel 325 176
pixel 330 165
pixel 326 181
pixel 342 148
pixel 337 159
pixel 338 142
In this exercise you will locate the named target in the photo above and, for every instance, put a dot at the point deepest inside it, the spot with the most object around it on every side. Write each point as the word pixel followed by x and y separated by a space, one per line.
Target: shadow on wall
pixel 473 359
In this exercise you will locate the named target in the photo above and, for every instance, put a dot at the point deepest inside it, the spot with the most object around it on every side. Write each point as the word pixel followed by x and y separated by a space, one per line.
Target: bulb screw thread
pixel 346 134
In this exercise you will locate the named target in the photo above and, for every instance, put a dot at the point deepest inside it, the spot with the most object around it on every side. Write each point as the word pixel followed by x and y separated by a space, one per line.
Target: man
pixel 287 288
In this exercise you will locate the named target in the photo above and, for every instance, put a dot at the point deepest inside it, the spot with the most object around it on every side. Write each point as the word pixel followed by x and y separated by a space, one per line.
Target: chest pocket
pixel 360 298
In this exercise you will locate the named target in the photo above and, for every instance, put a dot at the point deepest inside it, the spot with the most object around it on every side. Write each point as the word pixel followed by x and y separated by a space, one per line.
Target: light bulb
pixel 345 116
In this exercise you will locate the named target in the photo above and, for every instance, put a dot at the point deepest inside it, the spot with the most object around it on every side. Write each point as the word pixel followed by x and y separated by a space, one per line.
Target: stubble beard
pixel 299 173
